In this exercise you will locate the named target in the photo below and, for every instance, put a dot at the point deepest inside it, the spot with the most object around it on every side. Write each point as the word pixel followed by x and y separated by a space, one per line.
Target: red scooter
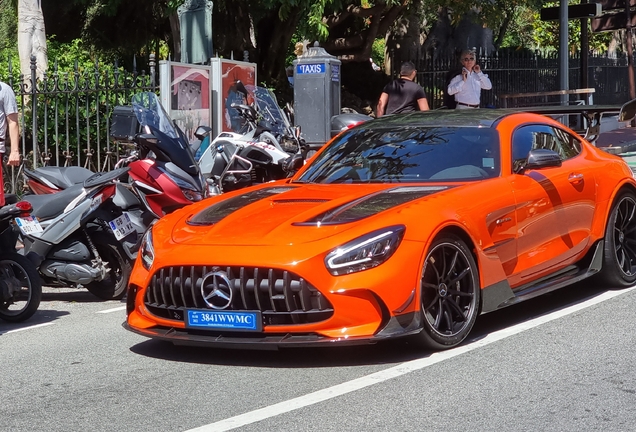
pixel 163 174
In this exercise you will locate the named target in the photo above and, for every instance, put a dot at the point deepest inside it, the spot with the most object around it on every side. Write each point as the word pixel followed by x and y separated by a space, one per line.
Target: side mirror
pixel 294 163
pixel 240 87
pixel 146 140
pixel 202 132
pixel 541 158
pixel 628 111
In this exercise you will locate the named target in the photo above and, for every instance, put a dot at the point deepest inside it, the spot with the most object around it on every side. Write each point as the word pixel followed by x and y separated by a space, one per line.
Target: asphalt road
pixel 561 362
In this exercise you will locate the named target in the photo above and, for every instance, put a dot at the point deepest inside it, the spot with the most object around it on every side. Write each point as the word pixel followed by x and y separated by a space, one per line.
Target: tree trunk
pixel 233 29
pixel 31 37
pixel 175 30
pixel 274 37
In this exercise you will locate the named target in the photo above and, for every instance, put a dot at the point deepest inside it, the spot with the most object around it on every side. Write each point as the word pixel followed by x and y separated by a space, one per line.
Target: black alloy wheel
pixel 619 257
pixel 450 293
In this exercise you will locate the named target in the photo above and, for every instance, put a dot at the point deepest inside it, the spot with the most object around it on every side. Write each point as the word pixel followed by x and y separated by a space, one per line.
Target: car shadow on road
pixel 387 352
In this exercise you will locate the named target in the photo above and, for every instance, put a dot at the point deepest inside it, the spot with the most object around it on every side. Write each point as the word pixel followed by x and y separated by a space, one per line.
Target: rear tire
pixel 619 253
pixel 113 286
pixel 450 294
pixel 17 269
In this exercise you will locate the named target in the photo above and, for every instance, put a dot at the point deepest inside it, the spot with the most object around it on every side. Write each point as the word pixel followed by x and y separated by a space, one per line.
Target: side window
pixel 570 145
pixel 532 137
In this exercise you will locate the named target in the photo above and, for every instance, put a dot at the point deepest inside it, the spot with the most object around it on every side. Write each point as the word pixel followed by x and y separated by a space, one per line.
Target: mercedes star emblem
pixel 216 289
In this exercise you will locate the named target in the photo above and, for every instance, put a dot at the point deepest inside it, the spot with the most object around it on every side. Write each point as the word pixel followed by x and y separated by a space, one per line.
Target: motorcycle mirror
pixel 148 140
pixel 294 163
pixel 202 132
pixel 240 87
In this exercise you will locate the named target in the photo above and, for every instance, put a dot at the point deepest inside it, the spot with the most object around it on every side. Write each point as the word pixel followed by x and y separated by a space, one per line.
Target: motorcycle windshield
pixel 268 109
pixel 171 141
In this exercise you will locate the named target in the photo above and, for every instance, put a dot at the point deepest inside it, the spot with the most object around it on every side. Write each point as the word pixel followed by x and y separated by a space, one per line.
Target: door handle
pixel 575 178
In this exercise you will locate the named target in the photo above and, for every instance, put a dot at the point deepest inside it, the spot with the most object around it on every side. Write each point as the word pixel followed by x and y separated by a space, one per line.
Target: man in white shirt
pixel 8 120
pixel 466 87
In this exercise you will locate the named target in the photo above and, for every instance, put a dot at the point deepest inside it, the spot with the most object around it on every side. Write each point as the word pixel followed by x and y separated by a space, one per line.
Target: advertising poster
pixel 190 97
pixel 231 73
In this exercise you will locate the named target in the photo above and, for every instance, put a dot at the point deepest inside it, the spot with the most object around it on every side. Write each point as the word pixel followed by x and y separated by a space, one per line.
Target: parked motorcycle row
pixel 77 228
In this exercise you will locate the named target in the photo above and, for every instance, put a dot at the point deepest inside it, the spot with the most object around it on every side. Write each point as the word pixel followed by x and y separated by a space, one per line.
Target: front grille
pixel 282 296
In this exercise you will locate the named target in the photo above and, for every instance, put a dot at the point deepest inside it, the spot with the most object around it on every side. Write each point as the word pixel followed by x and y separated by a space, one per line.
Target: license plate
pixel 121 226
pixel 29 225
pixel 224 320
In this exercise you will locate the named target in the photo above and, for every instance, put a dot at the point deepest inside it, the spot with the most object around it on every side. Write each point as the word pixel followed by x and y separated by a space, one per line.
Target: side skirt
pixel 500 295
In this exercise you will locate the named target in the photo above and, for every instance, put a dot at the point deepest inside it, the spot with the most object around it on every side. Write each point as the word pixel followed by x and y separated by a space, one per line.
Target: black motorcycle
pixel 20 283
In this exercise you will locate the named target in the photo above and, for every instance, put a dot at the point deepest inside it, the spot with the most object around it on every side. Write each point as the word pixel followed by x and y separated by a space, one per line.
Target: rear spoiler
pixel 592 116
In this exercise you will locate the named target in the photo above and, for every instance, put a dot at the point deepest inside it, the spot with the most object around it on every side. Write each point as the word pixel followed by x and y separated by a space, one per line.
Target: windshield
pixel 269 113
pixel 171 145
pixel 150 112
pixel 411 154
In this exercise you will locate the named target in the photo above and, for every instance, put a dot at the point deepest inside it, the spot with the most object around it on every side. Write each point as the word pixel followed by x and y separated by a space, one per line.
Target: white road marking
pixel 396 371
pixel 118 308
pixel 25 328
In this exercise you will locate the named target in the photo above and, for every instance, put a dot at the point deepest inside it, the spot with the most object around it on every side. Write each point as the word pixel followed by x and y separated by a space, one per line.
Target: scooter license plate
pixel 29 225
pixel 121 226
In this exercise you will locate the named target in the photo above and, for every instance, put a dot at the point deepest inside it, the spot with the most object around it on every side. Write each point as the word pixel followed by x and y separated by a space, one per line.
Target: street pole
pixel 585 48
pixel 563 49
pixel 630 56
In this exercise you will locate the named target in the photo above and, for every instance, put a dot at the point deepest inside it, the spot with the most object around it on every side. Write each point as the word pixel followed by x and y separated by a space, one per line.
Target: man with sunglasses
pixel 466 87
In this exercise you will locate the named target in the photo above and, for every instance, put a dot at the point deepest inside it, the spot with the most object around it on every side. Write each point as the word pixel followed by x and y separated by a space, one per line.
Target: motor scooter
pixel 20 283
pixel 162 174
pixel 77 237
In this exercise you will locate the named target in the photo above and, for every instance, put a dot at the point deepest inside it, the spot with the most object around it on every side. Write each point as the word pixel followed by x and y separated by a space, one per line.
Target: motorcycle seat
pixel 62 177
pixel 49 206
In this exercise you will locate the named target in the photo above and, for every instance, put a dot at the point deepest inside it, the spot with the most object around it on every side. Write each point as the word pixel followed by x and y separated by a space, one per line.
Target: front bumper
pixel 397 327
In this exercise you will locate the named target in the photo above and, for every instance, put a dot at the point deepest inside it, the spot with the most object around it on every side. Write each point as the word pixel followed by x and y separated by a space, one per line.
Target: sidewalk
pixel 618 141
pixel 621 142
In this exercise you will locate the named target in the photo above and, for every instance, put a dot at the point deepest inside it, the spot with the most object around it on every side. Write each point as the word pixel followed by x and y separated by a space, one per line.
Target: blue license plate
pixel 224 320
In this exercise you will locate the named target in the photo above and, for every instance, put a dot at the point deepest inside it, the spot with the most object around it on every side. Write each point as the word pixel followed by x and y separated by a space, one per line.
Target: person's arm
pixel 384 98
pixel 14 135
pixel 456 85
pixel 484 81
pixel 423 104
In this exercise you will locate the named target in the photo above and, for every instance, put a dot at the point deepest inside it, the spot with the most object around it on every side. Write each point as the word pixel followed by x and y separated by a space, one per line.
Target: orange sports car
pixel 407 225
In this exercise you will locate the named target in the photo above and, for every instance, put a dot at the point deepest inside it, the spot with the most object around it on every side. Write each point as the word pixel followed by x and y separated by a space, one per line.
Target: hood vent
pixel 371 205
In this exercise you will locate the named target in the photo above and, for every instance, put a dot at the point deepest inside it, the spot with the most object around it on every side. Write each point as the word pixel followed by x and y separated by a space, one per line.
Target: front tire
pixel 450 293
pixel 619 254
pixel 113 286
pixel 20 287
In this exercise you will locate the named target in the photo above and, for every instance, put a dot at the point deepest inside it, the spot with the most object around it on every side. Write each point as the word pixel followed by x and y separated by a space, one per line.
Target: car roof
pixel 484 117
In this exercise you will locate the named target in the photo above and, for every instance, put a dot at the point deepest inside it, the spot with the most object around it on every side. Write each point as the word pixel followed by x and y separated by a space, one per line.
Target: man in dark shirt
pixel 402 95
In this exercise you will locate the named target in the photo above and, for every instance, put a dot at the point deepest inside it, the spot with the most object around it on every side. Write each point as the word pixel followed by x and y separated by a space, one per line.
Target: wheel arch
pixel 625 187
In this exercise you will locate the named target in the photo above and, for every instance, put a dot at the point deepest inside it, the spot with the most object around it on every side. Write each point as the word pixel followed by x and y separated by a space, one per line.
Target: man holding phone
pixel 466 87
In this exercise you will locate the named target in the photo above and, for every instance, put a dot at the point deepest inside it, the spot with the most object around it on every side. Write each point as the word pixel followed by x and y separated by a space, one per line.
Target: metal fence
pixel 525 72
pixel 65 115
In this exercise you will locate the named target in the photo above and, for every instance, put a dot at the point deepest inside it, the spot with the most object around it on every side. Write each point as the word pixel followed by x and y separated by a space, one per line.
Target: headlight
pixel 365 252
pixel 192 195
pixel 189 191
pixel 147 250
